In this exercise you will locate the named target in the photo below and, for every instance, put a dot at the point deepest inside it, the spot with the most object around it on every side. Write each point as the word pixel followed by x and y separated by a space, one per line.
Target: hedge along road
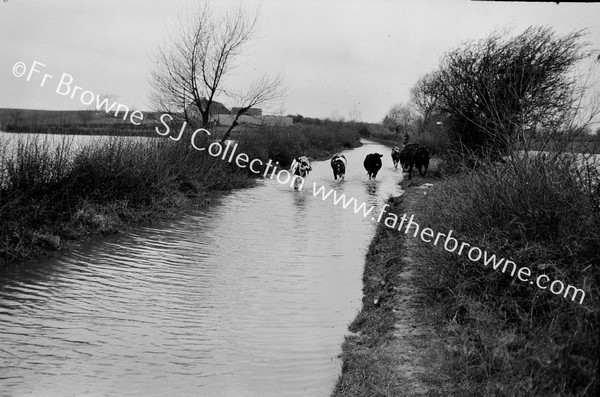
pixel 251 295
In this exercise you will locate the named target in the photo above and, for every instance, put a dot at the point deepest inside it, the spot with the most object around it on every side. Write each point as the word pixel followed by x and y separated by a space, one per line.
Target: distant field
pixel 74 122
pixel 90 122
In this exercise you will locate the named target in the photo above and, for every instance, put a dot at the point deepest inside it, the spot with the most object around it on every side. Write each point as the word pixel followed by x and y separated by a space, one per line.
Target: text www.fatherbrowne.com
pixel 66 87
pixel 451 244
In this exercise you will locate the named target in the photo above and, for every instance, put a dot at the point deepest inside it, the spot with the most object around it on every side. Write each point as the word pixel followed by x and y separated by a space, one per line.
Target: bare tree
pixel 336 116
pixel 263 91
pixel 424 96
pixel 400 118
pixel 354 115
pixel 505 90
pixel 191 70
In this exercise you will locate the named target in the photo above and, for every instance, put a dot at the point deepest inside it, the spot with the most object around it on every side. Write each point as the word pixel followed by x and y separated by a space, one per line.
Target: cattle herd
pixel 411 155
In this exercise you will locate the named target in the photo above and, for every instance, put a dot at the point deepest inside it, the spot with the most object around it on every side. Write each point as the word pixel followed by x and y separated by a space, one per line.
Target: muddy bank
pixel 432 323
pixel 394 344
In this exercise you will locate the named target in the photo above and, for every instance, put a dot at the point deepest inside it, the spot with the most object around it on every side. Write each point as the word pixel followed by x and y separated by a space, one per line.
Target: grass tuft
pixel 510 338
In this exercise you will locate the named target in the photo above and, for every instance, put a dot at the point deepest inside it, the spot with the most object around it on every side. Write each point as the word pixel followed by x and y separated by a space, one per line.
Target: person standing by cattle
pixel 403 134
pixel 372 164
pixel 396 156
pixel 405 138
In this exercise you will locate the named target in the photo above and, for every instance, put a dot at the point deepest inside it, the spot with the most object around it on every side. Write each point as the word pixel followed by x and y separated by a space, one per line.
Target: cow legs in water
pixel 410 168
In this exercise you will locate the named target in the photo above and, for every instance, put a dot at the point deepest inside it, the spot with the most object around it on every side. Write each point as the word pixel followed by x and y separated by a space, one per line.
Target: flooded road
pixel 249 297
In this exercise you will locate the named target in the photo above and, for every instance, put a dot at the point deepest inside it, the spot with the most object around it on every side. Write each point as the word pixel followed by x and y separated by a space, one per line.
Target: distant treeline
pixel 74 122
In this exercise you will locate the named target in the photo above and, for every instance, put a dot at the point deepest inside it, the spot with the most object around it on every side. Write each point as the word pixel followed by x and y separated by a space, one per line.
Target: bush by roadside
pixel 509 338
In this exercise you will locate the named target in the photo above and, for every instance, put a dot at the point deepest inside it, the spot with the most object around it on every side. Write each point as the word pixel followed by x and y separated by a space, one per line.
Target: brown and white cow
pixel 338 164
pixel 300 166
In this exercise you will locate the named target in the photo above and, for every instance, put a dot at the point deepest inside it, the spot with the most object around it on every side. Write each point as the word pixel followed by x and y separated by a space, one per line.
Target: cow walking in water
pixel 300 167
pixel 372 164
pixel 415 155
pixel 338 164
pixel 396 156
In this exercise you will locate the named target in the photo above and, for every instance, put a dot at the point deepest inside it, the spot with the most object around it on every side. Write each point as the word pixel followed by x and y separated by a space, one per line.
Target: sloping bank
pixel 51 194
pixel 395 346
pixel 436 323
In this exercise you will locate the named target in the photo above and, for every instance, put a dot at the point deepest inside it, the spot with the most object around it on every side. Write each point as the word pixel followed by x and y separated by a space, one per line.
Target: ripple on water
pixel 251 296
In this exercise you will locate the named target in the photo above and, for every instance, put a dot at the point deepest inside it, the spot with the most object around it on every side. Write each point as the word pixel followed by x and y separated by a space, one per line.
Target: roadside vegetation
pixel 283 144
pixel 53 192
pixel 505 98
pixel 512 117
pixel 394 348
pixel 370 360
pixel 507 337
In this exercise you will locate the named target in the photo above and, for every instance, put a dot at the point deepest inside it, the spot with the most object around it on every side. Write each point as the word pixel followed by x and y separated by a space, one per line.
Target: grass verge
pixel 394 348
pixel 493 335
pixel 369 360
pixel 505 337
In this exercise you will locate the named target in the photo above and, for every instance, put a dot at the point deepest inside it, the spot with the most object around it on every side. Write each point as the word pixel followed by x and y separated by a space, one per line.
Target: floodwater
pixel 251 296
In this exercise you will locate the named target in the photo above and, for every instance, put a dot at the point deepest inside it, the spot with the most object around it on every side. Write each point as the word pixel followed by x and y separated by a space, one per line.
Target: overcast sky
pixel 337 57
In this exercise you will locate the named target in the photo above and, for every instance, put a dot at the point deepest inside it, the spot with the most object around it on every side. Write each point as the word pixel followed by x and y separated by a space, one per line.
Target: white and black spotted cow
pixel 396 156
pixel 301 167
pixel 338 164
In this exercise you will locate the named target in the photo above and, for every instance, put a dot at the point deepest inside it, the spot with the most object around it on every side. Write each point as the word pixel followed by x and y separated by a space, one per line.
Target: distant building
pixel 220 115
pixel 216 109
pixel 257 112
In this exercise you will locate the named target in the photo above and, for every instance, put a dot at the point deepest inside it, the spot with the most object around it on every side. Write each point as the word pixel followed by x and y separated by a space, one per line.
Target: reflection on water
pixel 251 296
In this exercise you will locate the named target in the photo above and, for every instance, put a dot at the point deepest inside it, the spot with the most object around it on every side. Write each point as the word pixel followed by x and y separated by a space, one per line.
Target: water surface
pixel 250 296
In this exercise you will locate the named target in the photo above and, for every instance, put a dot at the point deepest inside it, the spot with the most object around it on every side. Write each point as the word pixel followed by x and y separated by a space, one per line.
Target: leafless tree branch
pixel 191 69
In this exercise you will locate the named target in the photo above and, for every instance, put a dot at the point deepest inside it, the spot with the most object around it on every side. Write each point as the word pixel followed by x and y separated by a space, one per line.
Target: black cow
pixel 338 164
pixel 415 155
pixel 396 156
pixel 372 164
